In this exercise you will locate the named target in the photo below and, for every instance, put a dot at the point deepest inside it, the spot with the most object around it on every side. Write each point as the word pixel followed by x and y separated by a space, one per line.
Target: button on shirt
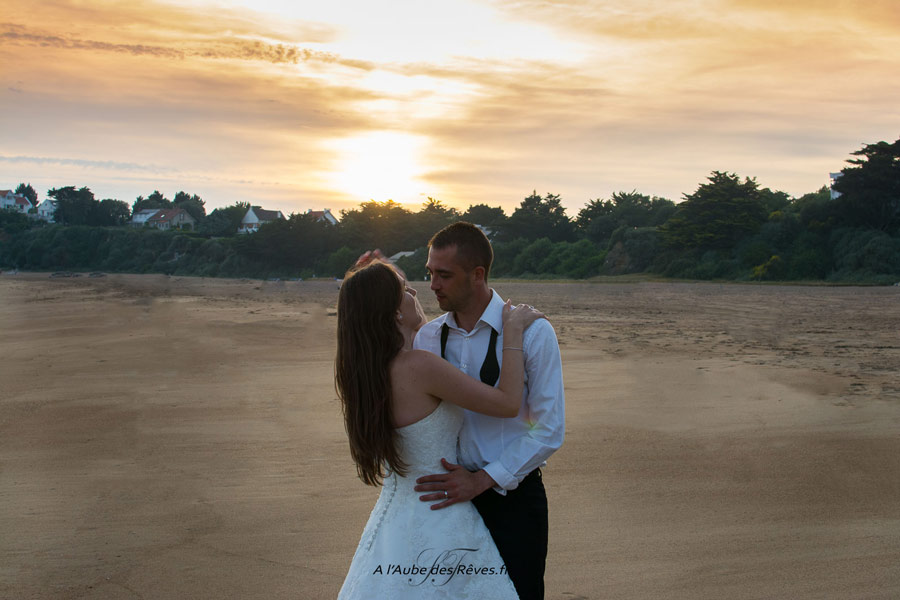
pixel 507 449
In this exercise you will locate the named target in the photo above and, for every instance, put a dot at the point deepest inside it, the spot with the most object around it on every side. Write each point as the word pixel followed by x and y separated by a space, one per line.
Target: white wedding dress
pixel 408 550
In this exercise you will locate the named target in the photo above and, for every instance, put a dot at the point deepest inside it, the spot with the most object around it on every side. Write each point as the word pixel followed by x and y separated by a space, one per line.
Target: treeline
pixel 730 228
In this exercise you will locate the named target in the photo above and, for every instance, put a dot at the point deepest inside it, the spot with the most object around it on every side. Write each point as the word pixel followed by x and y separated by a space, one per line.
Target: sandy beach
pixel 166 437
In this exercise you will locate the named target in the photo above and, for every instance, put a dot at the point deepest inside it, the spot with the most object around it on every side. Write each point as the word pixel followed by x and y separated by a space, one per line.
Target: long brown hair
pixel 367 341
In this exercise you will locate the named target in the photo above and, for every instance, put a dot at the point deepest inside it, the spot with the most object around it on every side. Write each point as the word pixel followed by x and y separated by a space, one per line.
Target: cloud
pixel 653 21
pixel 579 131
pixel 663 40
pixel 152 20
pixel 635 20
pixel 77 162
pixel 240 49
pixel 871 15
pixel 12 33
pixel 642 94
pixel 185 101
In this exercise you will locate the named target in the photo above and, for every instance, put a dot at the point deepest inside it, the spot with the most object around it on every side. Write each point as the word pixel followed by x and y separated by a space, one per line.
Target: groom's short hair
pixel 472 247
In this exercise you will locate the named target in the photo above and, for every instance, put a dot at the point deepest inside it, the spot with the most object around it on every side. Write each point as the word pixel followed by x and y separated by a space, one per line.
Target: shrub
pixel 774 268
pixel 865 252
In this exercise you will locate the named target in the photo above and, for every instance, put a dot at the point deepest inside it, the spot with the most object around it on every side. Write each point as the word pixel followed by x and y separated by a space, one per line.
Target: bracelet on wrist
pixel 511 348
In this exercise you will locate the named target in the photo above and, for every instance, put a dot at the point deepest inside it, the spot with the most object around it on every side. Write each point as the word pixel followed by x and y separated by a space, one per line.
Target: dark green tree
pixel 12 222
pixel 74 207
pixel 774 201
pixel 538 218
pixel 192 204
pixel 600 218
pixel 596 221
pixel 79 207
pixel 26 190
pixel 433 217
pixel 339 262
pixel 492 217
pixel 112 212
pixel 154 200
pixel 414 264
pixel 870 190
pixel 817 211
pixel 224 221
pixel 718 215
pixel 386 225
pixel 288 247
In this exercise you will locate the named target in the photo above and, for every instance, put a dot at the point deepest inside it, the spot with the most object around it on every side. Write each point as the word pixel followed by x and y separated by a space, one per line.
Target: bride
pixel 402 411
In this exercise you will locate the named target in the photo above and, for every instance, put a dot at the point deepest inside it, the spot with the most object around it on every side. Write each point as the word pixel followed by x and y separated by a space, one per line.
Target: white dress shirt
pixel 507 449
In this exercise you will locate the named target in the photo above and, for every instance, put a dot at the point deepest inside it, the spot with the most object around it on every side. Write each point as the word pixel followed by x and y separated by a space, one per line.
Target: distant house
pixel 23 204
pixel 487 231
pixel 323 215
pixel 399 255
pixel 140 218
pixel 163 218
pixel 47 210
pixel 7 199
pixel 171 218
pixel 257 216
pixel 16 202
pixel 834 178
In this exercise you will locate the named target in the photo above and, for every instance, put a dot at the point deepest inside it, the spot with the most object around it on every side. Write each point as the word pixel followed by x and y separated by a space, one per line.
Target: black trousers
pixel 518 524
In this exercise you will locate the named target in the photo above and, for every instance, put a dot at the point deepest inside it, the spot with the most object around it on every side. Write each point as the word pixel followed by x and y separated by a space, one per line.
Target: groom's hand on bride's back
pixel 459 484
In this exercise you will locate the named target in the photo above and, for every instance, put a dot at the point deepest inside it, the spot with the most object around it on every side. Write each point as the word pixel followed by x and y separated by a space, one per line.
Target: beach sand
pixel 166 437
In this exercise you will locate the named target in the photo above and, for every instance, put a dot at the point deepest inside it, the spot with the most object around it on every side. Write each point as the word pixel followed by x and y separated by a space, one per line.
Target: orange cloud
pixel 878 15
pixel 149 20
pixel 89 86
pixel 226 48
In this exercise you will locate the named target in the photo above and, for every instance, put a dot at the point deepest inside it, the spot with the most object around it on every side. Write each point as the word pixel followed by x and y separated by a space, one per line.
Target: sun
pixel 382 165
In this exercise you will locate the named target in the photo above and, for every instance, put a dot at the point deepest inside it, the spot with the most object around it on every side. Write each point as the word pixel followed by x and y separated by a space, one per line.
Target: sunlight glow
pixel 410 30
pixel 382 165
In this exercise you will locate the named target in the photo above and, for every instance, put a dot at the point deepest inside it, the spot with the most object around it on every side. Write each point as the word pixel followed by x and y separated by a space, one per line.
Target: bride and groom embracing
pixel 419 398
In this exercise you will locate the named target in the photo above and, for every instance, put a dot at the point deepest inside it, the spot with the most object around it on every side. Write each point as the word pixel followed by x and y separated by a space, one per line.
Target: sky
pixel 309 104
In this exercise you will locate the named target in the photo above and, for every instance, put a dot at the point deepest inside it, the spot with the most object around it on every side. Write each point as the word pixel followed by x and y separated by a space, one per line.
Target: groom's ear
pixel 478 274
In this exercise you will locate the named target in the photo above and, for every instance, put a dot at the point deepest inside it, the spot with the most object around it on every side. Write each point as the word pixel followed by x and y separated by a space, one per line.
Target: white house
pixel 163 218
pixel 487 231
pixel 47 210
pixel 16 202
pixel 834 178
pixel 140 218
pixel 399 255
pixel 257 216
pixel 323 215
pixel 7 199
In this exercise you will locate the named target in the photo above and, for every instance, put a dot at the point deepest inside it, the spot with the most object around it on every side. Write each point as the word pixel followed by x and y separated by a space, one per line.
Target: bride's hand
pixel 521 315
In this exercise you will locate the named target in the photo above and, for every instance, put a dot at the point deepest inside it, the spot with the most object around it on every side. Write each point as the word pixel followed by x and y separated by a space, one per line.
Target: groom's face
pixel 452 285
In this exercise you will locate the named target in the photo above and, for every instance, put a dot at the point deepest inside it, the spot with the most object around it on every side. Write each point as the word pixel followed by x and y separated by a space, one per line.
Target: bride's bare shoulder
pixel 416 359
pixel 415 362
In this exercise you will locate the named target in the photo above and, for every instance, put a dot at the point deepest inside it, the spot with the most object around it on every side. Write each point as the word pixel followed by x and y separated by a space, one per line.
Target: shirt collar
pixel 492 315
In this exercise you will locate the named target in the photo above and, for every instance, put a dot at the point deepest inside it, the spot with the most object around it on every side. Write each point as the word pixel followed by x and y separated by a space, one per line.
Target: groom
pixel 500 458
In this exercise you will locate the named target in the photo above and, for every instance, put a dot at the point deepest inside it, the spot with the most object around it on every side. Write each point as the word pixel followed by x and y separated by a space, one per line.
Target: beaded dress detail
pixel 408 550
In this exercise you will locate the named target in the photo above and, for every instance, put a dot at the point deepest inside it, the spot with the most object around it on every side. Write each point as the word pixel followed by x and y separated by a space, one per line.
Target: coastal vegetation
pixel 729 228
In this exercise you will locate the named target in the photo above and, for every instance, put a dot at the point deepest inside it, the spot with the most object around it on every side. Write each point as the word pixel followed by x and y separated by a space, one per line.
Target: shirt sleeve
pixel 427 340
pixel 545 406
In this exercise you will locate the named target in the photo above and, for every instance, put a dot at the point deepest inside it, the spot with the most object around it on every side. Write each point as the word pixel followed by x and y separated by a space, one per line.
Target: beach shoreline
pixel 180 437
